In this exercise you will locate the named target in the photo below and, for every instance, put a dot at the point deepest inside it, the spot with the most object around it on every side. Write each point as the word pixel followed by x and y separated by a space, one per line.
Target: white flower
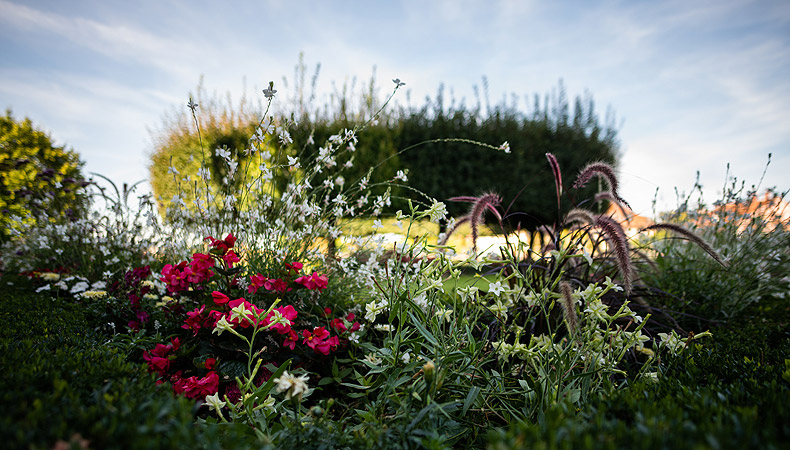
pixel 285 136
pixel 240 313
pixel 598 310
pixel 213 401
pixel 444 313
pixel 46 287
pixel 384 327
pixel 496 288
pixel 291 385
pixel 270 91
pixel 222 325
pixel 80 287
pixel 172 170
pixel 293 162
pixel 421 301
pixel 505 147
pixel 406 357
pixel 401 175
pixel 373 309
pixel 373 359
pixel 437 212
pixel 222 153
pixel 204 173
pixel 671 341
pixel 377 224
pixel 277 318
pixel 354 337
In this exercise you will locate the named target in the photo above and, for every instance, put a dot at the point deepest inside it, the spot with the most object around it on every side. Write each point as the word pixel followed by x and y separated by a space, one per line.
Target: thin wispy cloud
pixel 693 85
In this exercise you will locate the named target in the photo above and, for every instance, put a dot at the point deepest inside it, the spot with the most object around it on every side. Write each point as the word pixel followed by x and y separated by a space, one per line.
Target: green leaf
pixel 423 331
pixel 470 398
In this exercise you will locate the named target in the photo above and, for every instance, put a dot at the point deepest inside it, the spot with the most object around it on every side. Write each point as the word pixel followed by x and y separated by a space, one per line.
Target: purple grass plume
pixel 602 170
pixel 689 236
pixel 579 215
pixel 617 238
pixel 555 170
pixel 568 308
pixel 480 205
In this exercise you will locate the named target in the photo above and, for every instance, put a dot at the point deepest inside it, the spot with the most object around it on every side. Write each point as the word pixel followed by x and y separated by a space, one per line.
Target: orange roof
pixel 626 217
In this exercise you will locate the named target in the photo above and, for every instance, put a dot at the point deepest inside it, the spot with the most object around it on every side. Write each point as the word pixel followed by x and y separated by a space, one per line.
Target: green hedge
pixel 59 380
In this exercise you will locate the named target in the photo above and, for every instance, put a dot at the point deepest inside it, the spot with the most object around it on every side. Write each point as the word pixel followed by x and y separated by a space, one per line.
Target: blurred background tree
pixel 440 169
pixel 37 178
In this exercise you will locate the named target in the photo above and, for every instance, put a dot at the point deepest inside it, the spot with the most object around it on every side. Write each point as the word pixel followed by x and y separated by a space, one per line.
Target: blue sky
pixel 694 85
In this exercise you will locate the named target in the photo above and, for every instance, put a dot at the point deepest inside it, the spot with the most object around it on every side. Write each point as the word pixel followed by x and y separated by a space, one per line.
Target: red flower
pixel 290 341
pixel 256 282
pixel 157 364
pixel 222 245
pixel 210 363
pixel 220 298
pixel 194 320
pixel 230 258
pixel 270 284
pixel 317 340
pixel 174 277
pixel 314 281
pixel 338 325
pixel 200 269
pixel 295 266
pixel 194 387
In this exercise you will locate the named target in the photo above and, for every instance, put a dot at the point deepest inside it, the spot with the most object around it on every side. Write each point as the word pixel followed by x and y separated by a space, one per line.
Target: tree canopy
pixel 37 178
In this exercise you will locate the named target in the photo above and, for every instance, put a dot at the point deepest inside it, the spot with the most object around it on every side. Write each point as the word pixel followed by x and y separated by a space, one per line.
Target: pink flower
pixel 314 281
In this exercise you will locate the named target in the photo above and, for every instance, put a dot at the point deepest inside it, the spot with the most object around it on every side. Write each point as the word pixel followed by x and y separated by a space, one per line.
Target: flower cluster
pixel 179 277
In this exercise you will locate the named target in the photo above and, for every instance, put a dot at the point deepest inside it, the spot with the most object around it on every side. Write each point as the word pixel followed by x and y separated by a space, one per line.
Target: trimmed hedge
pixel 60 381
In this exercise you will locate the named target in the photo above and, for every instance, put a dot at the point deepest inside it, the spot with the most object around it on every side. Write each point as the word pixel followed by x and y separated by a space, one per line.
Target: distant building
pixel 771 208
pixel 629 220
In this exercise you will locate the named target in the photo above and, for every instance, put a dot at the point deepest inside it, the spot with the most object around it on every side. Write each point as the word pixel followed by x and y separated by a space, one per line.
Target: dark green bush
pixel 59 380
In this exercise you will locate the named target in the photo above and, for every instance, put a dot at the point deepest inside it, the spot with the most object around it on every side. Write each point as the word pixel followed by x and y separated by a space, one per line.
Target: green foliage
pixel 751 232
pixel 727 394
pixel 59 381
pixel 36 177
